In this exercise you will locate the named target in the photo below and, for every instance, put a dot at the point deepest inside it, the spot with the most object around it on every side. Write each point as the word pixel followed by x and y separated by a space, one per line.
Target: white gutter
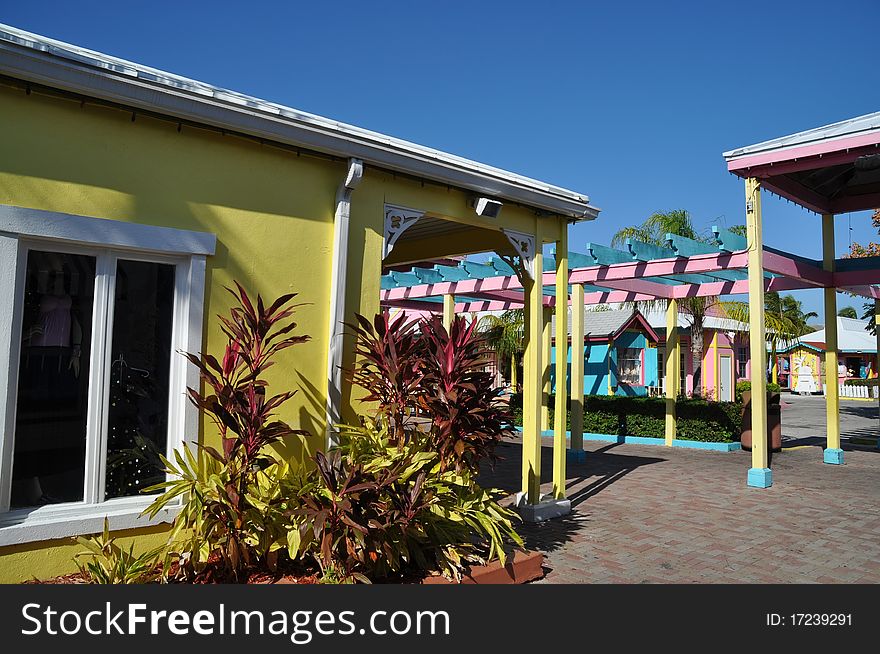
pixel 338 286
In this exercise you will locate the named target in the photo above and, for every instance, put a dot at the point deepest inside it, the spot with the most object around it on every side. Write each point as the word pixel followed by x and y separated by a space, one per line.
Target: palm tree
pixel 505 334
pixel 695 309
pixel 848 312
pixel 784 319
pixel 787 308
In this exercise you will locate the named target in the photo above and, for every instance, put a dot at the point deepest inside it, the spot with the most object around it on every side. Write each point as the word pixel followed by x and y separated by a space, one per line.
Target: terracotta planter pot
pixel 774 421
pixel 522 567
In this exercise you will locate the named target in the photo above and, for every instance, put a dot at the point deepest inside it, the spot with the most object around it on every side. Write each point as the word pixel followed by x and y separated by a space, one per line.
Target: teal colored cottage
pixel 620 354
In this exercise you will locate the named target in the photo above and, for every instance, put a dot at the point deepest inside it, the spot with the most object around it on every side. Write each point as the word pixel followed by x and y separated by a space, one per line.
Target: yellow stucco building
pixel 129 198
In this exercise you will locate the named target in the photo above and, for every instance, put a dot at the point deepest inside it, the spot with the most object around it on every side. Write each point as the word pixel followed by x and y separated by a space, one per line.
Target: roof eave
pixel 38 67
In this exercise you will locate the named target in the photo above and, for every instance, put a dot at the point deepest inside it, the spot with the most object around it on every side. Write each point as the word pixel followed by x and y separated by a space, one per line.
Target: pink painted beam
pixel 640 286
pixel 797 193
pixel 624 283
pixel 600 297
pixel 740 286
pixel 415 305
pixel 856 203
pixel 501 296
pixel 486 305
pixel 770 170
pixel 795 269
pixel 700 263
pixel 872 292
pixel 856 277
pixel 463 287
pixel 740 165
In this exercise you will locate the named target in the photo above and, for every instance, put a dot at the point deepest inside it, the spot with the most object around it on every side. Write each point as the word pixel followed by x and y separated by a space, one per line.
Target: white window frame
pixel 742 360
pixel 24 229
pixel 638 359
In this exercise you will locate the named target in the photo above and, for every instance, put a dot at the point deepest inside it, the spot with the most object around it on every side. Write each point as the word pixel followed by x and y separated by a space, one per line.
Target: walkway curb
pixel 649 440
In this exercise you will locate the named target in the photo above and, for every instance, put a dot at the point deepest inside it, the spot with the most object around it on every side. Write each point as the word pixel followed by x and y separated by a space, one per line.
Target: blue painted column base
pixel 834 456
pixel 575 456
pixel 760 477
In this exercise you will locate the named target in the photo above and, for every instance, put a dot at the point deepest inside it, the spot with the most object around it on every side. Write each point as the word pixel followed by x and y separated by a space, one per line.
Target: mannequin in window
pixel 55 330
pixel 50 423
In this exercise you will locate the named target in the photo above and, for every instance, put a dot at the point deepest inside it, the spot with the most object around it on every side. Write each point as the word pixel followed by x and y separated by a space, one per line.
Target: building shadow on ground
pixel 789 442
pixel 584 480
pixel 862 410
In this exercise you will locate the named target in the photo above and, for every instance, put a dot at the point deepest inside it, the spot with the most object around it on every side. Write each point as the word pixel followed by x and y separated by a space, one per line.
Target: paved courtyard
pixel 803 419
pixel 648 514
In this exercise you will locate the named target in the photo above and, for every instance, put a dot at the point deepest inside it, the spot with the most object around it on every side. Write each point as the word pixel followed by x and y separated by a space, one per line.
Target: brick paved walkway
pixel 645 514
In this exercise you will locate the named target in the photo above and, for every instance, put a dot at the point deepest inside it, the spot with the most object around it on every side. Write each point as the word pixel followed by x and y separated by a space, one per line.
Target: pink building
pixel 726 358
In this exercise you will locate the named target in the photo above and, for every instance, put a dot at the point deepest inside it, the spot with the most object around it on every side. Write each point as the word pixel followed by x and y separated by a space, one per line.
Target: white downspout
pixel 338 287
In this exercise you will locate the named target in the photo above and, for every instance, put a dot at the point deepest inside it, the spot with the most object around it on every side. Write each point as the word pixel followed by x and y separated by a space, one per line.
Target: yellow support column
pixel 774 363
pixel 833 453
pixel 759 475
pixel 513 371
pixel 716 373
pixel 560 441
pixel 545 373
pixel 448 310
pixel 671 367
pixel 532 382
pixel 577 372
pixel 526 387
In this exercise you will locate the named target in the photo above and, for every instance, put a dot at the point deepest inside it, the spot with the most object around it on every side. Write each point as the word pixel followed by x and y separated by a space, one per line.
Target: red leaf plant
pixel 389 366
pixel 236 400
pixel 419 370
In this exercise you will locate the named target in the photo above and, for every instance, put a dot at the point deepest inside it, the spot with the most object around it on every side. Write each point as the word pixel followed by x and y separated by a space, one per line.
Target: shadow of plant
pixel 601 469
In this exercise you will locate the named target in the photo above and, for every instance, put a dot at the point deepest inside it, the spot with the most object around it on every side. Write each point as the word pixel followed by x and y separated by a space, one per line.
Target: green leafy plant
pixel 388 366
pixel 372 508
pixel 698 419
pixel 745 385
pixel 223 492
pixel 468 418
pixel 419 369
pixel 862 382
pixel 109 563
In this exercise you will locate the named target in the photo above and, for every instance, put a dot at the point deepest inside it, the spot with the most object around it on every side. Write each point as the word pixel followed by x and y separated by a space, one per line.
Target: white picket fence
pixel 856 391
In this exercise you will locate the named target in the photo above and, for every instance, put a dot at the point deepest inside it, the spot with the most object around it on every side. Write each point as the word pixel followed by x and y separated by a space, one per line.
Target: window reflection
pixel 50 429
pixel 137 428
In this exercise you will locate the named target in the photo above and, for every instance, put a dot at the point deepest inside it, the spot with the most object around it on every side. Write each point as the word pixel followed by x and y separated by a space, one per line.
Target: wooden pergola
pixel 682 268
pixel 828 170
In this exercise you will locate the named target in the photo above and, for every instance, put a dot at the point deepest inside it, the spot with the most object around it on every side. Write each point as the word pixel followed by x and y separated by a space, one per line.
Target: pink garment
pixel 55 321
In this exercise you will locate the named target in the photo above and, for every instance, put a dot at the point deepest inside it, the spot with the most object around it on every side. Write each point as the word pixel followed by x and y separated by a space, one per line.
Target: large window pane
pixel 50 428
pixel 137 429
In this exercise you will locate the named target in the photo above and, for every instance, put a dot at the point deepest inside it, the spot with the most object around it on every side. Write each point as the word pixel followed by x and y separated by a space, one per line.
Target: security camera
pixel 487 208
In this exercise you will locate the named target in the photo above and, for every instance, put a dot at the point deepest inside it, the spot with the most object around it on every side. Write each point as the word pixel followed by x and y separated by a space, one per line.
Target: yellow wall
pixel 271 210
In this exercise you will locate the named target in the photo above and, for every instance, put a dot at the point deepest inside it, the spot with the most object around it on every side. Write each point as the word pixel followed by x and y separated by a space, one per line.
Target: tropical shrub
pixel 109 563
pixel 697 419
pixel 468 419
pixel 874 381
pixel 224 492
pixel 745 385
pixel 389 361
pixel 372 508
pixel 416 370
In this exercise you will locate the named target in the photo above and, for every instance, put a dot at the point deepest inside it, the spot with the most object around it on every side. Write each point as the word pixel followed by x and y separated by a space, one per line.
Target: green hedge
pixel 861 382
pixel 698 420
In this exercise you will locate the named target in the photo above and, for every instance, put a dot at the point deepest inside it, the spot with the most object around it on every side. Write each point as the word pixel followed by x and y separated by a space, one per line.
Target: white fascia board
pixel 835 131
pixel 95 75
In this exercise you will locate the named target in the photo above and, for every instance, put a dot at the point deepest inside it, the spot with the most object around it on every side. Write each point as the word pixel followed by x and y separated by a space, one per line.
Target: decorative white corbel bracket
pixel 524 244
pixel 397 221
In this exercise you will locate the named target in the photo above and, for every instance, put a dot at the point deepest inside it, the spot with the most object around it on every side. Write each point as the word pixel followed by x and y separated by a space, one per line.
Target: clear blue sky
pixel 629 102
